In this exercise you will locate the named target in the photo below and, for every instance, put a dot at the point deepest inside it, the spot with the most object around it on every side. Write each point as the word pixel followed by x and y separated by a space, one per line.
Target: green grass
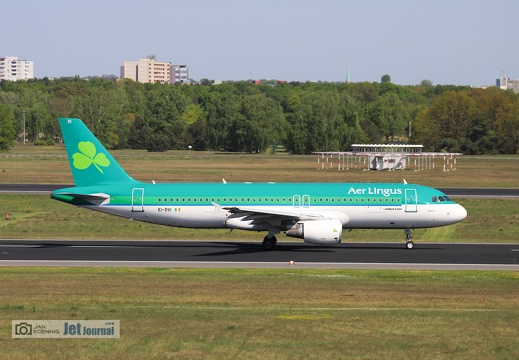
pixel 257 313
pixel 35 164
pixel 267 314
pixel 39 217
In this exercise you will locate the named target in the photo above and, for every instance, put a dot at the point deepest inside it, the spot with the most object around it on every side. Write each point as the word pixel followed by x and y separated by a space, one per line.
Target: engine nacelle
pixel 320 232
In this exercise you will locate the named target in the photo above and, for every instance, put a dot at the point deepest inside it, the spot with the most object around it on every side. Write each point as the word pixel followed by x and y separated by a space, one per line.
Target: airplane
pixel 314 212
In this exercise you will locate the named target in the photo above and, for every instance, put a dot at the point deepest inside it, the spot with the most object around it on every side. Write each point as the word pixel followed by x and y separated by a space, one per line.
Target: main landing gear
pixel 408 243
pixel 269 243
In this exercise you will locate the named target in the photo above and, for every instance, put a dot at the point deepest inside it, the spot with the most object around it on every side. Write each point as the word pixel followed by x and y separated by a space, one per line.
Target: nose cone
pixel 458 213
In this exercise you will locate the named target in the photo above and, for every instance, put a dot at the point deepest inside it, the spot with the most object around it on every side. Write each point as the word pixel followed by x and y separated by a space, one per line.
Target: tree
pixel 426 83
pixel 261 122
pixel 450 116
pixel 7 133
pixel 386 112
pixel 385 79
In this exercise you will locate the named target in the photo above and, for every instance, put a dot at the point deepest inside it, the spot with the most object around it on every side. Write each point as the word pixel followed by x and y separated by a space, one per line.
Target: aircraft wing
pixel 253 213
pixel 281 219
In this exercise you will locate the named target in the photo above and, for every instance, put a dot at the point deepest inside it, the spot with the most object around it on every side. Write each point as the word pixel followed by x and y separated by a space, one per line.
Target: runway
pixel 434 256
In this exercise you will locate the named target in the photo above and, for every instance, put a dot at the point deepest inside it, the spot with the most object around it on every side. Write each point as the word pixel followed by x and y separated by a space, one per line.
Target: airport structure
pixel 149 70
pixel 13 69
pixel 385 157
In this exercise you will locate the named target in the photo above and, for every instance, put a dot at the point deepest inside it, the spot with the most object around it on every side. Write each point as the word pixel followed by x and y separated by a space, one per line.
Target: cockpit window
pixel 446 198
pixel 434 199
pixel 441 198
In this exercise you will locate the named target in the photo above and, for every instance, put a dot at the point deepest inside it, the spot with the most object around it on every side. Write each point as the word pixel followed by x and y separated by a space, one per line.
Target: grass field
pixel 259 313
pixel 48 164
pixel 267 314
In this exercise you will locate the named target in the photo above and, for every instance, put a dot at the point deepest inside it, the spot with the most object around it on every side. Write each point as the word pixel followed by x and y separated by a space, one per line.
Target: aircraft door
pixel 138 200
pixel 306 201
pixel 411 200
pixel 297 201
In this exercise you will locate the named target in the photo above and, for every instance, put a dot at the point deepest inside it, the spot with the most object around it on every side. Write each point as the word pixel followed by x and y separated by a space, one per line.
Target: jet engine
pixel 320 232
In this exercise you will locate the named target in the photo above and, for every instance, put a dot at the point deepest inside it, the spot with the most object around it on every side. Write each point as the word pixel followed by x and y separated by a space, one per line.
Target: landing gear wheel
pixel 269 243
pixel 408 243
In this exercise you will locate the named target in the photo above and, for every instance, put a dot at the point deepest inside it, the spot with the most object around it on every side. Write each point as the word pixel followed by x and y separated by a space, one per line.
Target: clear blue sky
pixel 461 42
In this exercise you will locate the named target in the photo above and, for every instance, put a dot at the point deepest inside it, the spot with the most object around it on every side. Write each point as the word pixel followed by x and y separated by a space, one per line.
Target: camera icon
pixel 23 328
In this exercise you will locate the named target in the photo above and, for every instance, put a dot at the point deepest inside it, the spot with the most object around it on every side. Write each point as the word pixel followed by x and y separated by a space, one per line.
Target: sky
pixel 460 42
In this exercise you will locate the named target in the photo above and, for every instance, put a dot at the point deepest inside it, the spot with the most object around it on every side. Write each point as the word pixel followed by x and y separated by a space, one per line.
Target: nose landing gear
pixel 409 244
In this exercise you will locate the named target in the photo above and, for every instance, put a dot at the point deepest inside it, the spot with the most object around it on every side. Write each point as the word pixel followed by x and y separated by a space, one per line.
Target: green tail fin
pixel 89 160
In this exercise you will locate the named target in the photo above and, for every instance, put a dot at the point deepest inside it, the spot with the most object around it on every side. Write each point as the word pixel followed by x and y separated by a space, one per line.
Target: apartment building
pixel 13 69
pixel 147 70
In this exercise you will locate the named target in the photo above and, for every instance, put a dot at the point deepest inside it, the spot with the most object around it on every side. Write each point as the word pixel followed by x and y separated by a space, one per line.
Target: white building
pixel 147 70
pixel 13 69
pixel 505 83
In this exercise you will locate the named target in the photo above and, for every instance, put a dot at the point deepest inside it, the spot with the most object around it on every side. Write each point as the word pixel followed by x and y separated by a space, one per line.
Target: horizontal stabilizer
pixel 82 199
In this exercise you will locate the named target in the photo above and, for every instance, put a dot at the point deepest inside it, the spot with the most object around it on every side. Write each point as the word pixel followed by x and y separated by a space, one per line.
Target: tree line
pixel 245 117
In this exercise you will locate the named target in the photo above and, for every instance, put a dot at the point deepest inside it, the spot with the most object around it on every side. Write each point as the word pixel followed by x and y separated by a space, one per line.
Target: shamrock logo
pixel 88 157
